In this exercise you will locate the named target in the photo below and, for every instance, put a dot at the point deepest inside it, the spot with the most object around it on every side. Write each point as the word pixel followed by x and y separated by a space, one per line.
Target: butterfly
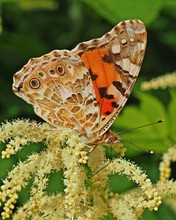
pixel 85 88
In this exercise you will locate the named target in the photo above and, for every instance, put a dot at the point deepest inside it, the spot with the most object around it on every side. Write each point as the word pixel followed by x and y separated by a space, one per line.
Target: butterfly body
pixel 85 88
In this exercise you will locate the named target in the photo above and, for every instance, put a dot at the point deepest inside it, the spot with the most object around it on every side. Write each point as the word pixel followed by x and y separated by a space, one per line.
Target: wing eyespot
pixel 41 74
pixel 69 67
pixel 60 70
pixel 52 72
pixel 34 83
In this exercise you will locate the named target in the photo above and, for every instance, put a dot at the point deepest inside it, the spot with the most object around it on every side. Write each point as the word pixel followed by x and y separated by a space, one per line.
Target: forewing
pixel 113 62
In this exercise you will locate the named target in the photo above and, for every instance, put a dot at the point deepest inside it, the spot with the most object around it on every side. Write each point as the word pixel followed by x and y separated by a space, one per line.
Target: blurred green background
pixel 30 28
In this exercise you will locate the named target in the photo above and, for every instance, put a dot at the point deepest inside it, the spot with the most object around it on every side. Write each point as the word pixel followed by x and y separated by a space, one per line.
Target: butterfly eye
pixel 34 83
pixel 60 70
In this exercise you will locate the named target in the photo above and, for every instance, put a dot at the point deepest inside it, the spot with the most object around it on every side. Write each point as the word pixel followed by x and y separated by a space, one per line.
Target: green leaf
pixel 116 10
pixel 6 1
pixel 172 114
pixel 164 212
pixel 5 165
pixel 154 110
pixel 55 177
pixel 120 184
pixel 153 137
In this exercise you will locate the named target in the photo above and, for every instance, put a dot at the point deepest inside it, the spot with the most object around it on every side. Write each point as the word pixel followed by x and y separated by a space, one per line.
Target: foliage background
pixel 30 28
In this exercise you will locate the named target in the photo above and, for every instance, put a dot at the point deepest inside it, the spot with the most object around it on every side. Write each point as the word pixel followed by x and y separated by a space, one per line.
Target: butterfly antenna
pixel 142 126
pixel 131 129
pixel 134 145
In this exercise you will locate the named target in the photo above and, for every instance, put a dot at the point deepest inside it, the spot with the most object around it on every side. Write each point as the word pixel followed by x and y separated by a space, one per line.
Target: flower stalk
pixel 84 197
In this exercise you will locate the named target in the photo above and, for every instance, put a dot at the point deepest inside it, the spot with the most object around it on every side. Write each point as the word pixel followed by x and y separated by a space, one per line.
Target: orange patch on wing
pixel 107 107
pixel 104 72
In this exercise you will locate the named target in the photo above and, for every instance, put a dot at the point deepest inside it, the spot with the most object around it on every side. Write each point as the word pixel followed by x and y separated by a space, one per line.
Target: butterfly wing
pixel 85 88
pixel 113 62
pixel 60 89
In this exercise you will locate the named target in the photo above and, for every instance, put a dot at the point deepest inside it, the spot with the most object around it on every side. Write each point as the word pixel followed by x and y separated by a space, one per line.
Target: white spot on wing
pixel 136 30
pixel 123 41
pixel 133 69
pixel 142 46
pixel 70 69
pixel 115 48
pixel 119 63
pixel 126 64
pixel 65 93
pixel 132 39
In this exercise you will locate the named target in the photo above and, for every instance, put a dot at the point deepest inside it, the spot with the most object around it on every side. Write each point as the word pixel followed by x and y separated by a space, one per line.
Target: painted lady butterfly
pixel 85 88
